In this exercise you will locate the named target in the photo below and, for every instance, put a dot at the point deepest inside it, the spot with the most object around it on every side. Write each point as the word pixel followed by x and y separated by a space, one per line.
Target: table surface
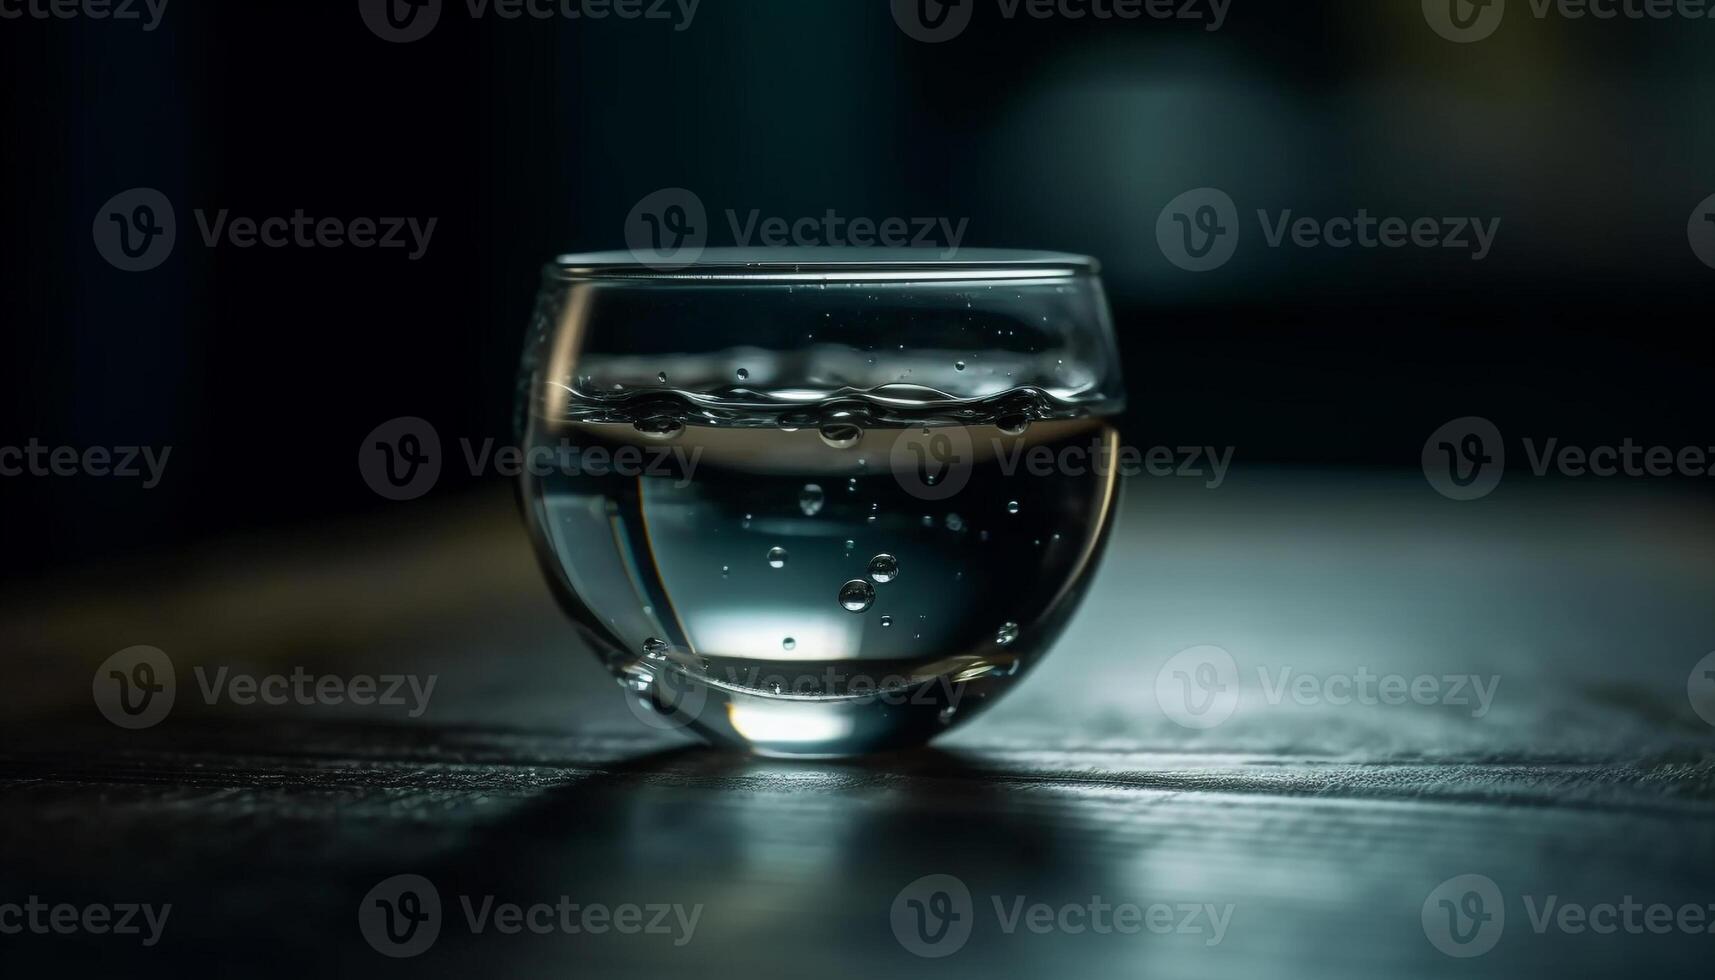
pixel 1316 832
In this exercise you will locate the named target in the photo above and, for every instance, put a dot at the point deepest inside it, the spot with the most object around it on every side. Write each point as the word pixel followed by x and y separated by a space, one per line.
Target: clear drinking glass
pixel 817 502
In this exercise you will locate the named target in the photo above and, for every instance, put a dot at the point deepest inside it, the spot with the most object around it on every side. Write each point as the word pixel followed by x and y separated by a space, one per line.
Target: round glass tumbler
pixel 820 502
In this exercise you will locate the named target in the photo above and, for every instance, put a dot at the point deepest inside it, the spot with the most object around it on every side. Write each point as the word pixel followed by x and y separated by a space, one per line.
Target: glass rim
pixel 878 265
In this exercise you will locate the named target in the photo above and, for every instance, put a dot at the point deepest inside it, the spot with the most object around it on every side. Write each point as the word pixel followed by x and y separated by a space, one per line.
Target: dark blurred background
pixel 264 368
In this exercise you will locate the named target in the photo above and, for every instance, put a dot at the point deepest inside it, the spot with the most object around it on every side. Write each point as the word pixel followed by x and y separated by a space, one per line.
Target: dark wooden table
pixel 1318 832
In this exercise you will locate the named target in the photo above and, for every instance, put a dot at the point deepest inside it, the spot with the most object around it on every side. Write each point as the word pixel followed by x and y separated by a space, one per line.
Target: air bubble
pixel 1006 634
pixel 743 375
pixel 850 544
pixel 659 429
pixel 655 648
pixel 1012 506
pixel 725 571
pixel 884 568
pixel 662 377
pixel 788 644
pixel 955 523
pixel 841 435
pixel 810 499
pixel 886 621
pixel 958 365
pixel 857 595
pixel 777 557
pixel 1012 425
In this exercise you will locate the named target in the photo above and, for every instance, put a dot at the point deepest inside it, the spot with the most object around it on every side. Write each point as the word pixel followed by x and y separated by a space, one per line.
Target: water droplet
pixel 788 644
pixel 955 522
pixel 884 568
pixel 1006 634
pixel 841 435
pixel 743 375
pixel 886 621
pixel 857 595
pixel 1012 506
pixel 777 557
pixel 655 648
pixel 1012 425
pixel 810 500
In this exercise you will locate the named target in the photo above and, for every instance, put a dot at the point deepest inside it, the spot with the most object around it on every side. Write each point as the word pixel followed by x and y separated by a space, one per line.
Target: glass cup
pixel 820 502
